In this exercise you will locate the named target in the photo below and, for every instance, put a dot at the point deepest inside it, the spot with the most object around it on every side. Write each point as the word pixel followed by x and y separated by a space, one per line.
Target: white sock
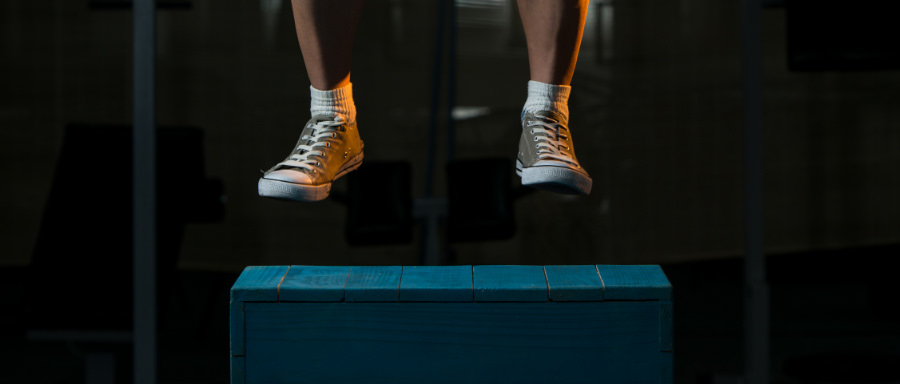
pixel 334 103
pixel 547 97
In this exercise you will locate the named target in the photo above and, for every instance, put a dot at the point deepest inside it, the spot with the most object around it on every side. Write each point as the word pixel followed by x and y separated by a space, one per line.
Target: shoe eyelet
pixel 532 131
pixel 535 138
pixel 535 145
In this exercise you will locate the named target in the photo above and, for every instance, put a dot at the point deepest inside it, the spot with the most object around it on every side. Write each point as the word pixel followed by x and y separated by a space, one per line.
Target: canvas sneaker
pixel 328 149
pixel 546 157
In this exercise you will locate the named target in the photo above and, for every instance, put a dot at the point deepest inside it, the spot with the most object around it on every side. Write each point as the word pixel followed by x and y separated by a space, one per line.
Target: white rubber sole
pixel 283 190
pixel 554 179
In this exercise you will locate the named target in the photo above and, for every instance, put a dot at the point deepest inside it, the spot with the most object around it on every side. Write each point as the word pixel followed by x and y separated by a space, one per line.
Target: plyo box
pixel 452 324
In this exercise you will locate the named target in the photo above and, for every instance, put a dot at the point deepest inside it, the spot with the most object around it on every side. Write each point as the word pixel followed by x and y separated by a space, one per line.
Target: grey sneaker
pixel 546 157
pixel 328 149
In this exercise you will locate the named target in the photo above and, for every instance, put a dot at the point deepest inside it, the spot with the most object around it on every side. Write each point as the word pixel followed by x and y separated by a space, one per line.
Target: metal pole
pixel 756 292
pixel 431 238
pixel 144 194
pixel 435 96
pixel 451 83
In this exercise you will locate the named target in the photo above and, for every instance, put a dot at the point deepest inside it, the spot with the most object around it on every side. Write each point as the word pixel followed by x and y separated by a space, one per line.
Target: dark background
pixel 656 115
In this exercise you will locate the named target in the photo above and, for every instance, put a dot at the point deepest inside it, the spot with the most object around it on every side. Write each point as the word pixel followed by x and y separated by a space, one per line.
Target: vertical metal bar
pixel 451 83
pixel 431 240
pixel 435 96
pixel 756 294
pixel 144 194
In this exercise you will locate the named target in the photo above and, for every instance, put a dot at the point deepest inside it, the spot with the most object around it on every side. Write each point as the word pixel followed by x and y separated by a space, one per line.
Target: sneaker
pixel 328 149
pixel 546 157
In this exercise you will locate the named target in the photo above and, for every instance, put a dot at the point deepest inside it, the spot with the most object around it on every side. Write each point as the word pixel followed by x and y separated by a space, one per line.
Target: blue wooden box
pixel 452 324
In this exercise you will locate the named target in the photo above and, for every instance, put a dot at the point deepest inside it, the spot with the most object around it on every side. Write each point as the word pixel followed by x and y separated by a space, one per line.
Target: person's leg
pixel 329 145
pixel 546 158
pixel 553 31
pixel 326 30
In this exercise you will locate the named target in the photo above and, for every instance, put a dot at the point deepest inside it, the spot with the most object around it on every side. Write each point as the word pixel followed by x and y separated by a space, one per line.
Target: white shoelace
pixel 309 156
pixel 553 139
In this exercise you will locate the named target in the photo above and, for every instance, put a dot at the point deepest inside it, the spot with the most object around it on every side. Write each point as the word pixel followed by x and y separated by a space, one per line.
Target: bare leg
pixel 553 29
pixel 326 29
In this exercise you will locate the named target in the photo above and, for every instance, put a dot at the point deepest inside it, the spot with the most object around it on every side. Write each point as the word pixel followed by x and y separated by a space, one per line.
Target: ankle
pixel 333 103
pixel 547 97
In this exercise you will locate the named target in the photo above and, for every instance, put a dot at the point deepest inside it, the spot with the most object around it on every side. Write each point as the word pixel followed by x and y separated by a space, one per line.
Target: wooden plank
pixel 634 282
pixel 256 283
pixel 373 284
pixel 314 283
pixel 437 283
pixel 238 370
pixel 574 283
pixel 666 365
pixel 665 325
pixel 236 327
pixel 610 342
pixel 509 283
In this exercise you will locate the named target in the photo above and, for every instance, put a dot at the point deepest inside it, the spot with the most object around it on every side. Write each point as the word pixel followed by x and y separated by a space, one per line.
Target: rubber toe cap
pixel 289 176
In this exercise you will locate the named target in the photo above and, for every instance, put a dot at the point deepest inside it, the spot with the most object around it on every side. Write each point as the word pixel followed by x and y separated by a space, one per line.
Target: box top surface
pixel 459 283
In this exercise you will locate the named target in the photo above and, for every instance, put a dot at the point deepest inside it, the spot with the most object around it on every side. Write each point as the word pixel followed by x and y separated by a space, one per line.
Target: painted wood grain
pixel 574 283
pixel 256 283
pixel 665 325
pixel 509 283
pixel 238 370
pixel 614 342
pixel 437 283
pixel 373 284
pixel 666 368
pixel 634 282
pixel 236 327
pixel 314 283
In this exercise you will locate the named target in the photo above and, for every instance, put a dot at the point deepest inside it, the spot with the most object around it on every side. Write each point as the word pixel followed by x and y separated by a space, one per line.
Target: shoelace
pixel 555 136
pixel 310 155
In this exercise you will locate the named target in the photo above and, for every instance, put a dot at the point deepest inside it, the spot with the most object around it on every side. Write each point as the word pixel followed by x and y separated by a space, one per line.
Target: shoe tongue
pixel 309 129
pixel 559 117
pixel 320 118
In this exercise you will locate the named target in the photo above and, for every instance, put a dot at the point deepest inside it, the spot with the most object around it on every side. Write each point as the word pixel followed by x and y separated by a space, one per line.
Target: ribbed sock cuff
pixel 547 97
pixel 334 103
